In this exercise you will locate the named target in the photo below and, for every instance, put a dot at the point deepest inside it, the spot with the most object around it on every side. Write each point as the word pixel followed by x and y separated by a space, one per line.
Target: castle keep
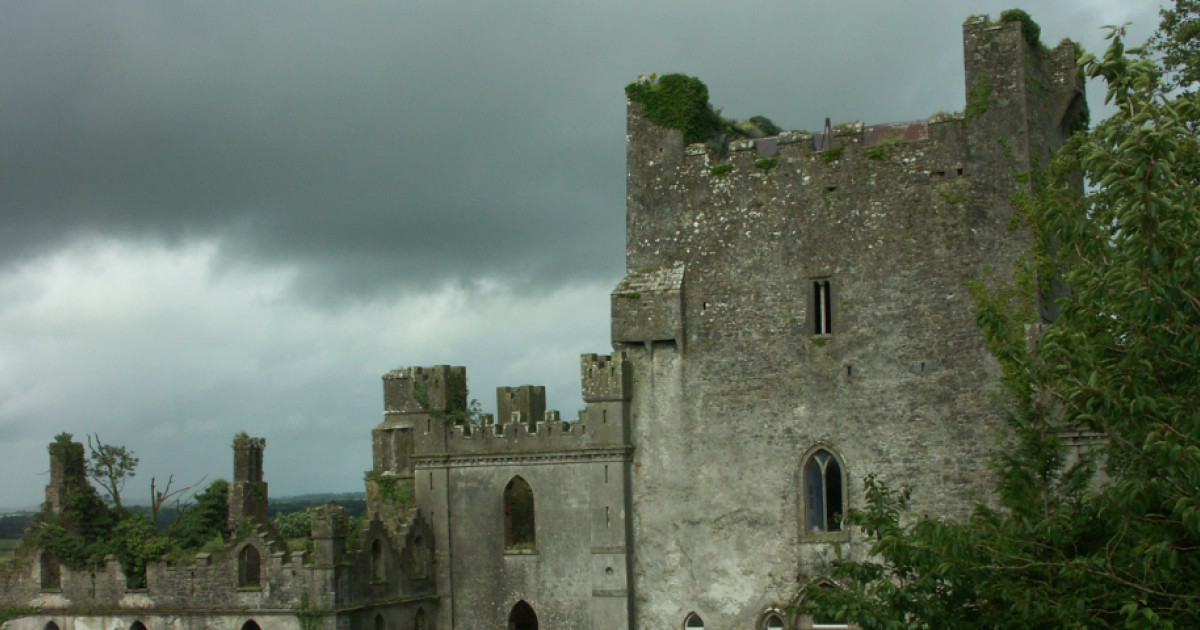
pixel 795 316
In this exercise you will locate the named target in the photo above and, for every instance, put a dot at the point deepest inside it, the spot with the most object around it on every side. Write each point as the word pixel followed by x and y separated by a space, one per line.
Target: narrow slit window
pixel 822 308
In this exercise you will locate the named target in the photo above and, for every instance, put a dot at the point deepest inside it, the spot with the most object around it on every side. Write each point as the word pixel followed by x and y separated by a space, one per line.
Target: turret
pixel 248 492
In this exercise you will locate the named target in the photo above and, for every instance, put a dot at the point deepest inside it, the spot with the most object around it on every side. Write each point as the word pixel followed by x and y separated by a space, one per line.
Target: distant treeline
pixel 11 525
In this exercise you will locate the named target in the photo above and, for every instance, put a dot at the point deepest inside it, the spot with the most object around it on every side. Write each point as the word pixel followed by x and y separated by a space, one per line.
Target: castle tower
pixel 797 316
pixel 67 470
pixel 521 405
pixel 248 492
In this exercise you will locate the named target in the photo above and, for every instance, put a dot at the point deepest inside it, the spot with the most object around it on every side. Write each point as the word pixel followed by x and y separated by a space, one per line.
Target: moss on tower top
pixel 677 101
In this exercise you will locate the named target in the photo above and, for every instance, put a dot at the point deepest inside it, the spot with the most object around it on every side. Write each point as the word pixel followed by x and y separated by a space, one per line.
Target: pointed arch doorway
pixel 522 617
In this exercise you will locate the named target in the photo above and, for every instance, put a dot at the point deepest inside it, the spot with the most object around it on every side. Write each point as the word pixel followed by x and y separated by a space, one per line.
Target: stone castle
pixel 795 316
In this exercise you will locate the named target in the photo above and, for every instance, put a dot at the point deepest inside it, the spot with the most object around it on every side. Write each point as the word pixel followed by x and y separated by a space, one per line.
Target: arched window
pixel 50 625
pixel 51 572
pixel 823 497
pixel 693 622
pixel 519 530
pixel 248 567
pixel 419 620
pixel 250 625
pixel 137 625
pixel 522 617
pixel 379 623
pixel 376 561
pixel 773 621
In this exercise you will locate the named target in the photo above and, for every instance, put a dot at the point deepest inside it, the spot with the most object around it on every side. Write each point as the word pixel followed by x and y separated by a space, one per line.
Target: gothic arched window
pixel 519 530
pixel 824 504
pixel 522 617
pixel 248 567
pixel 693 622
pixel 376 561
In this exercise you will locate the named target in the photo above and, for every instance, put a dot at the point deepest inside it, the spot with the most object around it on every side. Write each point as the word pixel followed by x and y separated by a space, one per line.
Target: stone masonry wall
pixel 724 419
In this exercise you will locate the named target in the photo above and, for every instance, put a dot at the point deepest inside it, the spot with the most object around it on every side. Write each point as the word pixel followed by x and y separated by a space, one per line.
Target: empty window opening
pixel 50 625
pixel 376 561
pixel 379 623
pixel 51 571
pixel 135 578
pixel 519 530
pixel 606 473
pixel 849 370
pixel 250 625
pixel 137 625
pixel 603 416
pixel 939 173
pixel 418 557
pixel 822 308
pixel 419 620
pixel 830 188
pixel 958 171
pixel 773 622
pixel 428 425
pixel 248 567
pixel 823 493
pixel 431 481
pixel 693 621
pixel 522 617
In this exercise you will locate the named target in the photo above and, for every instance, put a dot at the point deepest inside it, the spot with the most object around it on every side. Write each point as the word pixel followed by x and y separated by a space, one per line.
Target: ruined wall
pixel 734 388
pixel 386 574
pixel 575 572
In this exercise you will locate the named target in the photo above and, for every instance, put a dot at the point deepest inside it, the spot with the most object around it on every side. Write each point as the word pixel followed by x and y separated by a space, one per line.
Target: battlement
pixel 606 377
pixel 441 388
pixel 248 458
pixel 523 424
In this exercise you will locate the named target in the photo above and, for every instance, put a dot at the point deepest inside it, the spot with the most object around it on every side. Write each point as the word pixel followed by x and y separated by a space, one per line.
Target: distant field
pixel 6 545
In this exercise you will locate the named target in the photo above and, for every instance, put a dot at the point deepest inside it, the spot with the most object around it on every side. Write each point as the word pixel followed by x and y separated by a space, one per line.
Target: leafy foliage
pixel 110 466
pixel 1122 359
pixel 135 542
pixel 293 524
pixel 205 519
pixel 677 101
pixel 1178 42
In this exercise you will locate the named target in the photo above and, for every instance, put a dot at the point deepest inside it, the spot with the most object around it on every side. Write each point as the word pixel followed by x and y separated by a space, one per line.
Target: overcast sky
pixel 227 216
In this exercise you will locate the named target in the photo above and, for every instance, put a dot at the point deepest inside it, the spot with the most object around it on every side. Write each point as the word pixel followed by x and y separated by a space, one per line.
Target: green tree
pixel 1177 42
pixel 293 524
pixel 110 466
pixel 135 542
pixel 205 519
pixel 1123 359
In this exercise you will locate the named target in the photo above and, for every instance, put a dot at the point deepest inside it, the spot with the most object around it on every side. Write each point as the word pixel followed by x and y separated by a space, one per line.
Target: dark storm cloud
pixel 371 138
pixel 377 144
pixel 226 216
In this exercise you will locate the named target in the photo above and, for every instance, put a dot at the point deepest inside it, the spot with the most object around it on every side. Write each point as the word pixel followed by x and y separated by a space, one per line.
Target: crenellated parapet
pixel 606 377
pixel 524 425
pixel 441 388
